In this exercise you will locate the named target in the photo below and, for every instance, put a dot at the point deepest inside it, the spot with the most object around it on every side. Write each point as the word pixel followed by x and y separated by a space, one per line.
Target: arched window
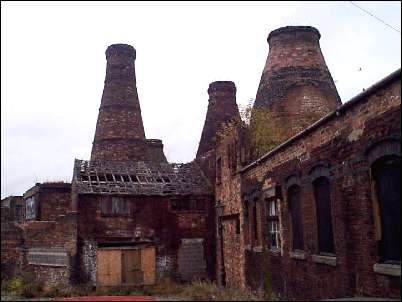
pixel 386 172
pixel 293 193
pixel 323 210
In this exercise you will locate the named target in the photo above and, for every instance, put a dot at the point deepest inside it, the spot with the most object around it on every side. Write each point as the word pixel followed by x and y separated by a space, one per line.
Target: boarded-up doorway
pixel 125 266
pixel 131 267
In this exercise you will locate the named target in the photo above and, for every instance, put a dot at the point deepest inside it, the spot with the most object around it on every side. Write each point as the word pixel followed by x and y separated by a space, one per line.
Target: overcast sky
pixel 53 67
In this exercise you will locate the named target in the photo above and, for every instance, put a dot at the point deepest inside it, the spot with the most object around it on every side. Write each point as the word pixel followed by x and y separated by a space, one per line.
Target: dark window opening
pixel 174 205
pixel 184 205
pixel 218 170
pixel 84 178
pixel 109 177
pixel 150 179
pixel 166 179
pixel 117 177
pixel 93 178
pixel 125 178
pixel 324 219
pixel 193 204
pixel 237 226
pixel 255 222
pixel 200 205
pixel 102 178
pixel 297 226
pixel 133 178
pixel 246 210
pixel 387 176
pixel 142 178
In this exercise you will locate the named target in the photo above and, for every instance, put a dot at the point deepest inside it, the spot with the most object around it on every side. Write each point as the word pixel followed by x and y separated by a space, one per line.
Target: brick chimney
pixel 296 87
pixel 119 131
pixel 222 108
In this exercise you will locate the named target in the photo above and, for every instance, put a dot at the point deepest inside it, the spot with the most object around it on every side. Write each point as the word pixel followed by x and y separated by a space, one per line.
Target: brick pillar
pixel 119 131
pixel 296 86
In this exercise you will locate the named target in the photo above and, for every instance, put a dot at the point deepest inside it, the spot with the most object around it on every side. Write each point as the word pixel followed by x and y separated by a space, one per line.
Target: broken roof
pixel 139 178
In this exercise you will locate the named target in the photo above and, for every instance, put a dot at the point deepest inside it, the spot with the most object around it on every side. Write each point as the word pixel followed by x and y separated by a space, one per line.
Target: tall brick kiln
pixel 315 217
pixel 148 217
pixel 296 87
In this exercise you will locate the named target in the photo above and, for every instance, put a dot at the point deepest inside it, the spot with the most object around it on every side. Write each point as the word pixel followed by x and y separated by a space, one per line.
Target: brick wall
pixel 49 236
pixel 11 241
pixel 54 202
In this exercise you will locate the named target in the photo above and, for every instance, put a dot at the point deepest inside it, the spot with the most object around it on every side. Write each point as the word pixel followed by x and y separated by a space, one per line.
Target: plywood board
pixel 131 267
pixel 108 267
pixel 148 265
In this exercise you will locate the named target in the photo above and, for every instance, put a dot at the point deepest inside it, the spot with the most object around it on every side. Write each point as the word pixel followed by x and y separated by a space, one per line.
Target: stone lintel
pixel 328 260
pixel 387 269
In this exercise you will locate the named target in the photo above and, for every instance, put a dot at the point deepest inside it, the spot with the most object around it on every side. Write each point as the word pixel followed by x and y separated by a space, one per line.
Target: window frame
pixel 273 217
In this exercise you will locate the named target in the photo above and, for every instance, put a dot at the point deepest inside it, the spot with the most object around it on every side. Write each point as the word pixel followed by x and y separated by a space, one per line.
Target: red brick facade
pixel 340 145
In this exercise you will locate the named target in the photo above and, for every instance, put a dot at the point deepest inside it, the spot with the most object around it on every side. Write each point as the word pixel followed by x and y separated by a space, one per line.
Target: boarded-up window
pixel 324 219
pixel 115 206
pixel 387 176
pixel 31 207
pixel 297 226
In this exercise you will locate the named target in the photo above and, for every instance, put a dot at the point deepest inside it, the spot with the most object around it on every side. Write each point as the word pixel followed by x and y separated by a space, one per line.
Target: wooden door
pixel 131 267
pixel 108 267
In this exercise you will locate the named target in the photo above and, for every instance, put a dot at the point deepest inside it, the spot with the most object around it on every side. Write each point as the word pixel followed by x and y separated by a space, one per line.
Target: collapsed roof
pixel 139 178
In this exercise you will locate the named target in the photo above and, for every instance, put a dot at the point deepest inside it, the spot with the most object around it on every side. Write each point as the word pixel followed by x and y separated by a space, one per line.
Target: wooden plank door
pixel 131 267
pixel 108 267
pixel 148 265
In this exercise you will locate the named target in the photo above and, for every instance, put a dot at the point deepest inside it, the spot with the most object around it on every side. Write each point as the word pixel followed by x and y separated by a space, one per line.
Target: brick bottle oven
pixel 296 86
pixel 222 108
pixel 119 131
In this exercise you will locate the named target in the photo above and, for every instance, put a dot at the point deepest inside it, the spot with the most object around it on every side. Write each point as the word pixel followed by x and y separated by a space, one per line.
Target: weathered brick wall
pixel 53 201
pixel 11 241
pixel 156 221
pixel 47 236
pixel 228 193
pixel 340 141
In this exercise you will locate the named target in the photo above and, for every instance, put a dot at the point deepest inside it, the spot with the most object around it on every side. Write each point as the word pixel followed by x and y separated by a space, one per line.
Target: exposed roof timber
pixel 138 178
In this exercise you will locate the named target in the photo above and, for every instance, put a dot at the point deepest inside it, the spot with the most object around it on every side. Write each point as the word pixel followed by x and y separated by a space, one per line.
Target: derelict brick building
pixel 316 217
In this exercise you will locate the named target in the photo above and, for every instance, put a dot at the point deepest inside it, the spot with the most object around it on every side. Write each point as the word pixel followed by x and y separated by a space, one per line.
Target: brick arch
pixel 291 180
pixel 320 169
pixel 390 145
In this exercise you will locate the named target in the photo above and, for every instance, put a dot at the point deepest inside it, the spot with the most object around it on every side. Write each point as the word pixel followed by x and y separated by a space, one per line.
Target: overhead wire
pixel 375 17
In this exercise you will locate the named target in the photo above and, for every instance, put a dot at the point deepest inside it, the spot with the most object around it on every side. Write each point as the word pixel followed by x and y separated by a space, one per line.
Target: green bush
pixel 16 284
